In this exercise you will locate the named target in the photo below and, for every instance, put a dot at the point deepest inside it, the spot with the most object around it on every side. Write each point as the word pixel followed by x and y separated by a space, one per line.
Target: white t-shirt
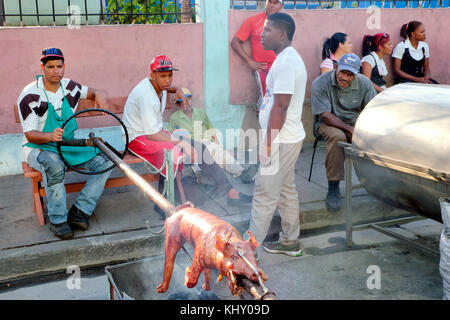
pixel 371 59
pixel 286 76
pixel 143 111
pixel 33 105
pixel 416 54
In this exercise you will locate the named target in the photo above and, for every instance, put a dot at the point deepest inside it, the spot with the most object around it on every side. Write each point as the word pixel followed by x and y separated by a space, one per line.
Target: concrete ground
pixel 327 270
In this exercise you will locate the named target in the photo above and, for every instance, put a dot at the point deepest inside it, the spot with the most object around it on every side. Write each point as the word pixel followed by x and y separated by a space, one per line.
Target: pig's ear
pixel 252 240
pixel 222 241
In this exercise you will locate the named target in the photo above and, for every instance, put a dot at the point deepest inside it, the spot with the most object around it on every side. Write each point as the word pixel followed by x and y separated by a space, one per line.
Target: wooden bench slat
pixel 110 183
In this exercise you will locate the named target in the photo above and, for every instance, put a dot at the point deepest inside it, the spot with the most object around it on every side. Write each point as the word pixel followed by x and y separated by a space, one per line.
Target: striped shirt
pixel 33 105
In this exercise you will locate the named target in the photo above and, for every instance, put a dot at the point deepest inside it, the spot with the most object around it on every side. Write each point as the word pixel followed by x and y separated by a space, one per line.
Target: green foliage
pixel 153 11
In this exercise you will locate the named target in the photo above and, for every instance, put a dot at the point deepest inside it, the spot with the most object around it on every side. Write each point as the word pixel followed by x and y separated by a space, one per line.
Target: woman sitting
pixel 411 57
pixel 372 64
pixel 333 49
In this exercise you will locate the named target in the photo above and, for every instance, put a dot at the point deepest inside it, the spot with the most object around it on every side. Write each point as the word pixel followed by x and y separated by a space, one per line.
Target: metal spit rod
pixel 258 291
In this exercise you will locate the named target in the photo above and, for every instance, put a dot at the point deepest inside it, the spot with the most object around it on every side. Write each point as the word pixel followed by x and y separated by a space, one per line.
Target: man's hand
pixel 56 135
pixel 100 101
pixel 257 66
pixel 188 150
pixel 180 96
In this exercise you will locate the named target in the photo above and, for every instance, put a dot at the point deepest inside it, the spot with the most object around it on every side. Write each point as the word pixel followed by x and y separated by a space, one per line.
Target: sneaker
pixel 292 250
pixel 333 201
pixel 243 200
pixel 62 230
pixel 249 174
pixel 78 219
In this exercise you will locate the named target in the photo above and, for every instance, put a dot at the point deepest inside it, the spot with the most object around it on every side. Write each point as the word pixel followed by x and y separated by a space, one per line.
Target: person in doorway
pixel 410 57
pixel 260 59
pixel 333 49
pixel 280 120
pixel 43 106
pixel 142 115
pixel 372 64
pixel 338 97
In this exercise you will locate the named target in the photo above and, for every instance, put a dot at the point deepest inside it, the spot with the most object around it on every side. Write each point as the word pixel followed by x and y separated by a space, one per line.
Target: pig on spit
pixel 217 245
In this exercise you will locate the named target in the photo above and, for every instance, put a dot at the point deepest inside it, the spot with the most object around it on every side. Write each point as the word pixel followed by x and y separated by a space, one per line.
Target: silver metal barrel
pixel 401 147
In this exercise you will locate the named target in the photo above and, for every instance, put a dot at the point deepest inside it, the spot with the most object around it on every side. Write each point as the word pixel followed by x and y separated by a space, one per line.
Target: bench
pixel 116 106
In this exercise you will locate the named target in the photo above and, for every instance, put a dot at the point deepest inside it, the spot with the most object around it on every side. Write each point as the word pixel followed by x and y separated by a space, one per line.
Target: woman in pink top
pixel 333 49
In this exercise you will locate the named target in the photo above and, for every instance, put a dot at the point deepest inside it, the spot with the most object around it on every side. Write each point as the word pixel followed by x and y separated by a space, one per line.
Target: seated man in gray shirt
pixel 337 99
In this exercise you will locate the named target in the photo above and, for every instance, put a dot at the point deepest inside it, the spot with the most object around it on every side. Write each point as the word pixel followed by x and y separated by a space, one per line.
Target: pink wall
pixel 112 58
pixel 314 26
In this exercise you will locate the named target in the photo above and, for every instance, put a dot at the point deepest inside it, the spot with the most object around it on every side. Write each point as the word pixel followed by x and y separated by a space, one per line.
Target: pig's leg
pixel 173 244
pixel 207 275
pixel 193 273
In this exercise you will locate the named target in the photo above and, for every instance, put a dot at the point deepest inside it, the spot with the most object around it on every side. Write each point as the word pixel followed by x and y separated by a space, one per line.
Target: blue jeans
pixel 53 171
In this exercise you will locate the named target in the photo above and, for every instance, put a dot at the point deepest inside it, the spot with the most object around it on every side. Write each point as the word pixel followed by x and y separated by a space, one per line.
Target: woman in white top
pixel 333 49
pixel 372 64
pixel 411 57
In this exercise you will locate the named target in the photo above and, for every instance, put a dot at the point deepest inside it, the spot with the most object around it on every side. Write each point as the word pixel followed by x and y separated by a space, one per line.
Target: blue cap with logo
pixel 350 62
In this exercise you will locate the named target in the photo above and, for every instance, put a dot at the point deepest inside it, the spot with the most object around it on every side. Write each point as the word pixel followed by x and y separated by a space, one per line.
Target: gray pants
pixel 275 188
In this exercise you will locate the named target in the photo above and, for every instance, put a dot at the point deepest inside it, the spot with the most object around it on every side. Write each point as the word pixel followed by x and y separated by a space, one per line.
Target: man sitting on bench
pixel 143 117
pixel 43 106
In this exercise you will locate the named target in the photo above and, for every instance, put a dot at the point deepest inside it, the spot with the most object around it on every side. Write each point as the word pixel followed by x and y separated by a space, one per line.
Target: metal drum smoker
pixel 401 149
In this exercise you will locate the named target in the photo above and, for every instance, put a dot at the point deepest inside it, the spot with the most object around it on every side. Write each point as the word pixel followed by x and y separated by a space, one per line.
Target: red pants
pixel 153 152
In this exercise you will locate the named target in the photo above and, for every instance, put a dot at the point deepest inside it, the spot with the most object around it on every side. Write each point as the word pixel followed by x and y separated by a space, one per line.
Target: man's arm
pixel 236 44
pixel 98 96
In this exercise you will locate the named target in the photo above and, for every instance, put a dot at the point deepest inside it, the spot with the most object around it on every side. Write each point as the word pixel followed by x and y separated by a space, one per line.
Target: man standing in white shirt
pixel 280 118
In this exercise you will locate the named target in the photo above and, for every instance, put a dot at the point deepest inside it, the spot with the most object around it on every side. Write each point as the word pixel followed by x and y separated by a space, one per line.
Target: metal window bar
pixel 37 12
pixel 2 16
pixel 86 11
pixel 131 11
pixel 176 10
pixel 20 10
pixel 245 5
pixel 70 11
pixel 102 21
pixel 117 11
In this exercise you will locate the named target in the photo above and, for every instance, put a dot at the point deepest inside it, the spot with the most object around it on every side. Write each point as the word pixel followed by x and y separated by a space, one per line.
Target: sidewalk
pixel 118 229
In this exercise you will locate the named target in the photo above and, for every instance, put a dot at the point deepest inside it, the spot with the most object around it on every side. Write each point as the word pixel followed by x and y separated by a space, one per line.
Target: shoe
pixel 249 174
pixel 62 230
pixel 243 200
pixel 78 219
pixel 333 201
pixel 292 250
pixel 200 177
